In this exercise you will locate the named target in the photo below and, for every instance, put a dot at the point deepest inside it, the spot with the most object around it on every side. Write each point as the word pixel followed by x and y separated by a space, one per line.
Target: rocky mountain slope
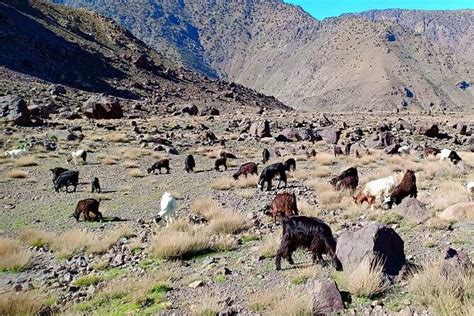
pixel 44 43
pixel 341 64
pixel 448 28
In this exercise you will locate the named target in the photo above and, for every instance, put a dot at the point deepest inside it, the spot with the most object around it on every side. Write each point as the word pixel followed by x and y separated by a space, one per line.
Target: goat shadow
pixel 113 219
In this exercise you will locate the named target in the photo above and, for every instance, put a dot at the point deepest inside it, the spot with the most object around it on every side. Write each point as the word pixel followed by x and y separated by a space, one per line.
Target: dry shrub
pixel 438 223
pixel 329 198
pixel 128 164
pixel 366 159
pixel 446 295
pixel 223 184
pixel 300 276
pixel 245 193
pixel 13 257
pixel 108 239
pixel 70 243
pixel 17 174
pixel 27 161
pixel 206 305
pixel 269 246
pixel 136 173
pixel 448 193
pixel 367 279
pixel 21 304
pixel 117 138
pixel 325 159
pixel 35 238
pixel 135 153
pixel 247 182
pixel 301 174
pixel 306 209
pixel 282 301
pixel 321 172
pixel 169 244
pixel 206 207
pixel 106 159
pixel 224 243
pixel 228 222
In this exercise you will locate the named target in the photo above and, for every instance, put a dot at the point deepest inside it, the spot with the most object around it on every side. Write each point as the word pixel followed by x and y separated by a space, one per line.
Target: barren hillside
pixel 342 64
pixel 45 43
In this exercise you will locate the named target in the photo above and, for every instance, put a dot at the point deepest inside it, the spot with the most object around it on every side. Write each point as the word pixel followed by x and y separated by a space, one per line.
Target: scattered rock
pixel 374 240
pixel 330 135
pixel 428 129
pixel 196 284
pixel 459 211
pixel 103 107
pixel 413 210
pixel 260 129
pixel 324 297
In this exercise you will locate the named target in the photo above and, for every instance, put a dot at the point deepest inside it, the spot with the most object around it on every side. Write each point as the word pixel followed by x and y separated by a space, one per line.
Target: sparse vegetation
pixel 17 174
pixel 366 280
pixel 13 257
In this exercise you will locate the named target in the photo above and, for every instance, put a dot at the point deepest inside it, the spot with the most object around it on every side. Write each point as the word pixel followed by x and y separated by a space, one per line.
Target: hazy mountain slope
pixel 452 29
pixel 48 43
pixel 345 63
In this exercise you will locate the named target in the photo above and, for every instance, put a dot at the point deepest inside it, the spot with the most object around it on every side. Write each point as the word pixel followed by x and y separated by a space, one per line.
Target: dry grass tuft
pixel 325 159
pixel 35 238
pixel 108 239
pixel 13 257
pixel 135 153
pixel 228 222
pixel 245 193
pixel 128 164
pixel 108 159
pixel 451 295
pixel 136 173
pixel 17 174
pixel 448 193
pixel 223 184
pixel 169 244
pixel 21 304
pixel 27 161
pixel 247 182
pixel 269 246
pixel 366 280
pixel 288 301
pixel 306 209
pixel 206 207
pixel 206 306
pixel 117 138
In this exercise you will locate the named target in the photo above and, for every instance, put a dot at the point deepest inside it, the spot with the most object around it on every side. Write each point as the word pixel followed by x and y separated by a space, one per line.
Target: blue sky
pixel 326 8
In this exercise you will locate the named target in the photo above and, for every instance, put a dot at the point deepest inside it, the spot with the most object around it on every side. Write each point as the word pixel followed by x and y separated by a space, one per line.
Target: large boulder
pixel 14 109
pixel 103 107
pixel 456 264
pixel 373 241
pixel 288 135
pixel 260 129
pixel 383 140
pixel 210 111
pixel 324 297
pixel 459 211
pixel 428 129
pixel 413 210
pixel 330 135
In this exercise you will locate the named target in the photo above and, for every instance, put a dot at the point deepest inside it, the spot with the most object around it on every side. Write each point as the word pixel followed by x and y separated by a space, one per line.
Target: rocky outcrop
pixel 374 241
pixel 14 109
pixel 324 297
pixel 103 107
pixel 413 210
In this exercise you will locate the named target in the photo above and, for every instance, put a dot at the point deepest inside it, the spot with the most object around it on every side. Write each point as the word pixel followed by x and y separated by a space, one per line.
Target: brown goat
pixel 407 187
pixel 348 183
pixel 433 151
pixel 86 208
pixel 246 169
pixel 282 204
pixel 222 161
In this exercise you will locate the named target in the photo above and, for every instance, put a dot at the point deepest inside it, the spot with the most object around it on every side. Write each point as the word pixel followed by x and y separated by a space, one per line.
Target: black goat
pixel 66 179
pixel 57 171
pixel 222 161
pixel 189 163
pixel 290 164
pixel 162 163
pixel 269 172
pixel 95 185
pixel 310 233
pixel 265 155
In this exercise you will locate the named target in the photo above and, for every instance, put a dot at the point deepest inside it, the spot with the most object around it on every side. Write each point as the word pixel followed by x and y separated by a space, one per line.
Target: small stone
pixel 18 288
pixel 196 284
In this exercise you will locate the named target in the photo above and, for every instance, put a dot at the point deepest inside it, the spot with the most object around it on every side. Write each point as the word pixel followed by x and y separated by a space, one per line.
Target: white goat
pixel 168 209
pixel 14 153
pixel 379 188
pixel 404 150
pixel 75 155
pixel 470 190
pixel 449 154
